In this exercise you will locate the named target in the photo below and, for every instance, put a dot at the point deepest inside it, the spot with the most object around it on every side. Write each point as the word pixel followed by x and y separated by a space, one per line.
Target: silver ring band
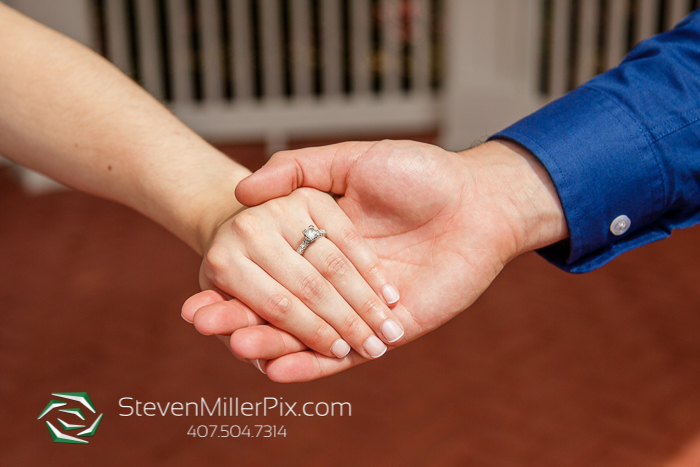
pixel 311 233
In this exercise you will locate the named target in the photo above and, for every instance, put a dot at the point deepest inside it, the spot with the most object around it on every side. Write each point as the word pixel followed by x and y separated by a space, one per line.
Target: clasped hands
pixel 414 236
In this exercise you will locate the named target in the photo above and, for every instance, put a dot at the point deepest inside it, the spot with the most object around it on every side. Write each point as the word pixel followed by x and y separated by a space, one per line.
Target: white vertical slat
pixel 271 46
pixel 331 45
pixel 210 48
pixel 559 58
pixel 301 47
pixel 74 18
pixel 361 47
pixel 675 12
pixel 149 56
pixel 645 19
pixel 528 60
pixel 616 33
pixel 241 39
pixel 587 50
pixel 118 43
pixel 482 93
pixel 391 46
pixel 509 60
pixel 178 35
pixel 420 43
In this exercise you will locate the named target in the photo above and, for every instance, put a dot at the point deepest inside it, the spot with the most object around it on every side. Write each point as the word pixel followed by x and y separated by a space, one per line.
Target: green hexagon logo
pixel 75 415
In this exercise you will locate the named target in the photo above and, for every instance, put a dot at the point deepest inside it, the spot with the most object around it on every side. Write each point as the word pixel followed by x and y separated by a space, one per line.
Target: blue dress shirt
pixel 623 150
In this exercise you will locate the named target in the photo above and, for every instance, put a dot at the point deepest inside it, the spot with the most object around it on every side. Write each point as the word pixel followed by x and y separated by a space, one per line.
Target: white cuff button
pixel 620 225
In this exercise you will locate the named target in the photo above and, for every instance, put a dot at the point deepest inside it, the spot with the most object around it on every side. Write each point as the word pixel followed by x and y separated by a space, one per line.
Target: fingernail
pixel 374 347
pixel 392 332
pixel 259 364
pixel 340 348
pixel 391 295
pixel 182 315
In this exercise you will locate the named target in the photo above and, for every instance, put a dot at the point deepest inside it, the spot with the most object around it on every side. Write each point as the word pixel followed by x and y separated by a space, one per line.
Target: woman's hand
pixel 68 113
pixel 328 298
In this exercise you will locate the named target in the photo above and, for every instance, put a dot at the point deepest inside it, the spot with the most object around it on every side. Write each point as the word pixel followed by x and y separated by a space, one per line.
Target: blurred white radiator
pixel 272 70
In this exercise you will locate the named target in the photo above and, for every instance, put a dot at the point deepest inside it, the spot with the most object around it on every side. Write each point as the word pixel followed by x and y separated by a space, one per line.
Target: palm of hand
pixel 420 209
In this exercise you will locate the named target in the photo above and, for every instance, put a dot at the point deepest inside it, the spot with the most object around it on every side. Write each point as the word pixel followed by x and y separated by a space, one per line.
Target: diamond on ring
pixel 311 233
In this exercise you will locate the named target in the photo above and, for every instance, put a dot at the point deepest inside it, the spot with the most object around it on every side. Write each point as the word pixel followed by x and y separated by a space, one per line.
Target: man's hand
pixel 444 224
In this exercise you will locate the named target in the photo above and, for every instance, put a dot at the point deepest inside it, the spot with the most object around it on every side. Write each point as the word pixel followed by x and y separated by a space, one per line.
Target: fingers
pixel 287 362
pixel 276 299
pixel 199 300
pixel 226 341
pixel 308 365
pixel 321 299
pixel 276 353
pixel 212 314
pixel 359 306
pixel 254 343
pixel 257 363
pixel 355 270
pixel 324 168
pixel 225 317
pixel 245 334
pixel 264 342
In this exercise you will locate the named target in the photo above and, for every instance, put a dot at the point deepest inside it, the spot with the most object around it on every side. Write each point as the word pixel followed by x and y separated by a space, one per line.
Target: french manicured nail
pixel 260 365
pixel 340 348
pixel 392 332
pixel 374 347
pixel 391 295
pixel 182 315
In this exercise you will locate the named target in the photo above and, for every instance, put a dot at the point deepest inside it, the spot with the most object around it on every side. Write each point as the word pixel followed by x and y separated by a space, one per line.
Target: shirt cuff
pixel 603 166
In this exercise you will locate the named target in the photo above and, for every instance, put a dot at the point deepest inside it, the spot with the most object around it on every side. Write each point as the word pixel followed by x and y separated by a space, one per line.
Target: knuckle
pixel 276 206
pixel 373 270
pixel 372 308
pixel 318 336
pixel 312 287
pixel 351 325
pixel 216 260
pixel 245 223
pixel 350 238
pixel 305 192
pixel 283 154
pixel 276 307
pixel 335 267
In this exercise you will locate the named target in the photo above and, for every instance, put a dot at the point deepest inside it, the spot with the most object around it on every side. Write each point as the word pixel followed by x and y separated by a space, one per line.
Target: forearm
pixel 68 113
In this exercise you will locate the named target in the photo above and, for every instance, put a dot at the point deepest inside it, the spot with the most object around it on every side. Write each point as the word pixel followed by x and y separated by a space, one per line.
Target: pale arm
pixel 68 113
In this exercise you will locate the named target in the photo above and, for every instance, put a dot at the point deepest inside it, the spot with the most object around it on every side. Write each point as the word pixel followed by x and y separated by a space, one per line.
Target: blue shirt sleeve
pixel 627 143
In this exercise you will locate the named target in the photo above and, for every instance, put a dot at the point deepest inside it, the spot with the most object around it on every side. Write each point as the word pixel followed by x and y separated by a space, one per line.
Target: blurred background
pixel 545 369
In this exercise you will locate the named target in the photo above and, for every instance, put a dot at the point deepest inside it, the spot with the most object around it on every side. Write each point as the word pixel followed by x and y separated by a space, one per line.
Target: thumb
pixel 324 168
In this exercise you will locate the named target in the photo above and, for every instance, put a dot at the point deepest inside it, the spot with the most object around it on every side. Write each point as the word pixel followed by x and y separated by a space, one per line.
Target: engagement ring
pixel 311 233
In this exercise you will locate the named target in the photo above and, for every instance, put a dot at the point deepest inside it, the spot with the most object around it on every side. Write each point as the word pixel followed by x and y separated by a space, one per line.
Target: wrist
pixel 196 196
pixel 216 204
pixel 522 192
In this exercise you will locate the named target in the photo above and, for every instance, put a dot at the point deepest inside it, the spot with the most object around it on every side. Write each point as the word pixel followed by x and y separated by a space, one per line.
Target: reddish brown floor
pixel 546 369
